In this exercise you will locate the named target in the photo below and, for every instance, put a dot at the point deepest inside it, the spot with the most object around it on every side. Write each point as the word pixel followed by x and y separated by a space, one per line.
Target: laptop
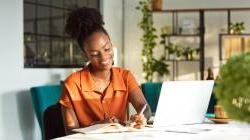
pixel 183 102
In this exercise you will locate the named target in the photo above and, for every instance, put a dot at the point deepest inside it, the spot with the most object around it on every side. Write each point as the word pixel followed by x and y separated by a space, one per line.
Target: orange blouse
pixel 81 94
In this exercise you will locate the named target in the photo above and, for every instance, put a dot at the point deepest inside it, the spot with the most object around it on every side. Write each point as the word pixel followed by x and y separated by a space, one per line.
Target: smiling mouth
pixel 105 62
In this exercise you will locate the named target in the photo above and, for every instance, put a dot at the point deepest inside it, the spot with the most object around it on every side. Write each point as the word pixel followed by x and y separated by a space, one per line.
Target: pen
pixel 180 132
pixel 143 109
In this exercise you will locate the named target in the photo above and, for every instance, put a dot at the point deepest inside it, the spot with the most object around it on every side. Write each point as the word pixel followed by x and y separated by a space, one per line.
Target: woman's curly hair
pixel 82 22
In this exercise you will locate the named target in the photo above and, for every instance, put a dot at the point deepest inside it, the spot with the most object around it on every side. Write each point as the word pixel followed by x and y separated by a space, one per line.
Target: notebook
pixel 102 128
pixel 111 128
pixel 183 102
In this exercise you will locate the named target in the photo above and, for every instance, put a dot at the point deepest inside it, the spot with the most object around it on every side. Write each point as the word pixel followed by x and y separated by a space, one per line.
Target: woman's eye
pixel 94 54
pixel 107 49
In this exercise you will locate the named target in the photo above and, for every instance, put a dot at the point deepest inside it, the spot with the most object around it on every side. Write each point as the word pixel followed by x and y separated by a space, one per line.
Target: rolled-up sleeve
pixel 70 92
pixel 132 84
pixel 65 97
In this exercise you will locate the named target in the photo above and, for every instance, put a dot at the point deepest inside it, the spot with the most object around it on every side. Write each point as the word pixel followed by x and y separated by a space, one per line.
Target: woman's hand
pixel 112 119
pixel 138 121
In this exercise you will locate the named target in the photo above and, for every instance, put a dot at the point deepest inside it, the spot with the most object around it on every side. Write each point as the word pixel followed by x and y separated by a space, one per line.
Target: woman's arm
pixel 138 100
pixel 70 120
pixel 136 96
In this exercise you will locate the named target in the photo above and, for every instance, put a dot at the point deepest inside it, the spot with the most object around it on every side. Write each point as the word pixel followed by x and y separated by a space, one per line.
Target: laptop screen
pixel 183 102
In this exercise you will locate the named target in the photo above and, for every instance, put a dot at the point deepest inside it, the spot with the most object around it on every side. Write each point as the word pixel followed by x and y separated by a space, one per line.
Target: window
pixel 45 43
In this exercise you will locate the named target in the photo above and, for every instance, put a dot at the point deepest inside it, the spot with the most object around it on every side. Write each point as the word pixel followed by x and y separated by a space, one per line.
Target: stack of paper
pixel 113 128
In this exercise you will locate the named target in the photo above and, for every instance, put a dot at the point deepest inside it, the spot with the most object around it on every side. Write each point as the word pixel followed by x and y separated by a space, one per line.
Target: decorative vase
pixel 157 5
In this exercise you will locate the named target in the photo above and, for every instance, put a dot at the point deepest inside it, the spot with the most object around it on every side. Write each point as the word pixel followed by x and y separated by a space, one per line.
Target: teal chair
pixel 151 92
pixel 42 98
pixel 212 103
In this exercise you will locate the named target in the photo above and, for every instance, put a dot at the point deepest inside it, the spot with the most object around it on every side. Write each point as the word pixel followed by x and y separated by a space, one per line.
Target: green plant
pixel 149 63
pixel 232 87
pixel 177 51
pixel 191 52
pixel 237 27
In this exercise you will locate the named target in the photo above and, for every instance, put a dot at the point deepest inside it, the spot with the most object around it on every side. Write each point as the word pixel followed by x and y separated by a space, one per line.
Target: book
pixel 111 128
pixel 103 128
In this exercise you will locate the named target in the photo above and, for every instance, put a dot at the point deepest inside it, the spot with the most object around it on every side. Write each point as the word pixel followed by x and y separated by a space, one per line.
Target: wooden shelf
pixel 182 35
pixel 243 34
pixel 183 60
pixel 205 9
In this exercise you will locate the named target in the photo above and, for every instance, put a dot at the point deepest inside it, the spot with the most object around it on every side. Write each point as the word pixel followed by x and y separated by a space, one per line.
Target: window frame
pixel 47 49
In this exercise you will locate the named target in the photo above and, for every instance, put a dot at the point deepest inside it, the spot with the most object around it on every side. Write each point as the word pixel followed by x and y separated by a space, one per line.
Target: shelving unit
pixel 177 34
pixel 233 44
pixel 201 35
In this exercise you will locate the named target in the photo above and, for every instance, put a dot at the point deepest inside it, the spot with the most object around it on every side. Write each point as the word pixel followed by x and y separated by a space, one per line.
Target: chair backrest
pixel 212 103
pixel 42 98
pixel 54 122
pixel 151 92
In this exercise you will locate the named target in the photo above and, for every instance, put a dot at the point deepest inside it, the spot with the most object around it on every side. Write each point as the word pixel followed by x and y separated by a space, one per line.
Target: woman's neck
pixel 100 74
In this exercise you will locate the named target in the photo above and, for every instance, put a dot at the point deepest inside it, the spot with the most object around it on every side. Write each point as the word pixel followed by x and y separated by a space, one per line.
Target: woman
pixel 98 93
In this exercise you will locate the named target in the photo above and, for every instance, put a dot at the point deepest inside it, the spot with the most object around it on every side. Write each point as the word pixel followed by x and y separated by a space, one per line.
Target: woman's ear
pixel 114 54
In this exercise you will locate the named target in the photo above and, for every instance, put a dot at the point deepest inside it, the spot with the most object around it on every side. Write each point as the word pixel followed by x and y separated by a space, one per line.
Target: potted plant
pixel 232 87
pixel 237 27
pixel 157 4
pixel 150 64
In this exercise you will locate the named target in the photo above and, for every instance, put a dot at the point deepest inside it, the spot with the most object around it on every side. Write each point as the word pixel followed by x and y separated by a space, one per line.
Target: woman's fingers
pixel 138 121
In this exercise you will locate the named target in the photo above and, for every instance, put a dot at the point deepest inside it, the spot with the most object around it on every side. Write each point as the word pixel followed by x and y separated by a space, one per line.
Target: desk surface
pixel 193 132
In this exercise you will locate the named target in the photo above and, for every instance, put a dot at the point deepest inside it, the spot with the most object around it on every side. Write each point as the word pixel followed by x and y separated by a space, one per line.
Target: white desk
pixel 186 132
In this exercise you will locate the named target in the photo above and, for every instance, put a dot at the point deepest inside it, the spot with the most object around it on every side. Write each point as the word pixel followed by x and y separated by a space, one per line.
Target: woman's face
pixel 99 51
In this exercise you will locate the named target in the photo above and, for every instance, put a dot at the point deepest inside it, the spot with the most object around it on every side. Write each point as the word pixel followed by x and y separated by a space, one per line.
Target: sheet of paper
pixel 102 128
pixel 113 128
pixel 208 128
